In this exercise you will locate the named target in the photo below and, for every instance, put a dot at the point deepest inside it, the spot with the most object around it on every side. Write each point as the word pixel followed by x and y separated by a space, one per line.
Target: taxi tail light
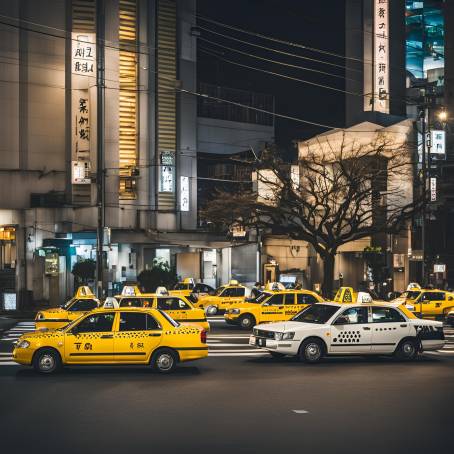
pixel 203 337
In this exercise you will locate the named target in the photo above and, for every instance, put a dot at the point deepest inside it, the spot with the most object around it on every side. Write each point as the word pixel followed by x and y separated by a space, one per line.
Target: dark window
pixel 229 292
pixel 172 304
pixel 84 305
pixel 276 300
pixel 183 286
pixel 386 315
pixel 355 315
pixel 302 298
pixel 316 313
pixel 240 291
pixel 290 299
pixel 131 302
pixel 202 288
pixel 96 323
pixel 132 321
pixel 433 296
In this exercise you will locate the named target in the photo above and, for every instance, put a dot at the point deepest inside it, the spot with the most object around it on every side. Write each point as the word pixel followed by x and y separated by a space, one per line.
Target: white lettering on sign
pixel 83 54
pixel 184 193
pixel 433 189
pixel 381 56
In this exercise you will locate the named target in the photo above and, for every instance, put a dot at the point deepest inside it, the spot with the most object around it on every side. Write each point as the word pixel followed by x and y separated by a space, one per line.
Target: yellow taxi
pixel 278 306
pixel 223 298
pixel 116 336
pixel 348 295
pixel 178 307
pixel 184 287
pixel 83 301
pixel 429 303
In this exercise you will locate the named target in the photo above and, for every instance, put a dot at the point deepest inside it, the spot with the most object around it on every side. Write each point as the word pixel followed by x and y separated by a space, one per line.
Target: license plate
pixel 261 342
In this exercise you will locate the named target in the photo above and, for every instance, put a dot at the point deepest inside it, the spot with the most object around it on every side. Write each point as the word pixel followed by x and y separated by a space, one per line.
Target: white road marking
pixel 5 354
pixel 300 412
pixel 8 363
pixel 244 350
pixel 230 345
pixel 223 336
pixel 220 355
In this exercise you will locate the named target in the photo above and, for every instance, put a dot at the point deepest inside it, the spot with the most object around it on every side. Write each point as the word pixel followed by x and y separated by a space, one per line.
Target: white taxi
pixel 337 329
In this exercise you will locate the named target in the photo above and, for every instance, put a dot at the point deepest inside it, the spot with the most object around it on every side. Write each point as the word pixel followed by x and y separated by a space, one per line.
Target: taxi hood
pixel 36 335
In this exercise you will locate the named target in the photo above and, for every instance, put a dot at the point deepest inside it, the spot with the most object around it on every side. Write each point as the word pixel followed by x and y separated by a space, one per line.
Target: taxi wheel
pixel 247 321
pixel 311 351
pixel 46 361
pixel 211 310
pixel 407 350
pixel 164 361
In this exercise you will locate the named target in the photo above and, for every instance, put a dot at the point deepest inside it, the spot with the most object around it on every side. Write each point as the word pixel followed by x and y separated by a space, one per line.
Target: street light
pixel 443 115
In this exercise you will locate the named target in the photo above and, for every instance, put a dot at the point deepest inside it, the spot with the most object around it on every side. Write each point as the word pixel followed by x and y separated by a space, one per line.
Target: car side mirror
pixel 450 298
pixel 342 320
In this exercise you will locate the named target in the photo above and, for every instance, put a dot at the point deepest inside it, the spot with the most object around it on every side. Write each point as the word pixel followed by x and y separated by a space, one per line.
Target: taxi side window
pixel 302 298
pixel 386 315
pixel 96 323
pixel 276 300
pixel 84 305
pixel 289 299
pixel 131 302
pixel 355 315
pixel 433 296
pixel 133 321
pixel 240 291
pixel 172 304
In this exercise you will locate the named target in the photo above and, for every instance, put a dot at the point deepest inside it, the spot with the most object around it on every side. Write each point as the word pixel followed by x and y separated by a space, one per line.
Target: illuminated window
pixel 128 99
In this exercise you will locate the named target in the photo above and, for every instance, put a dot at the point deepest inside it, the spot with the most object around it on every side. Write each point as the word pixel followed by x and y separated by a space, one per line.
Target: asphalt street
pixel 238 400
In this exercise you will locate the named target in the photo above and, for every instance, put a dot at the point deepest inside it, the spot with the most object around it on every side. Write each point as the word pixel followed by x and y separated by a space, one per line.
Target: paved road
pixel 237 401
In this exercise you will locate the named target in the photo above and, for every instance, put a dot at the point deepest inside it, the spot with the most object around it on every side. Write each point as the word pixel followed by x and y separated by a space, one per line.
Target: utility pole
pixel 100 88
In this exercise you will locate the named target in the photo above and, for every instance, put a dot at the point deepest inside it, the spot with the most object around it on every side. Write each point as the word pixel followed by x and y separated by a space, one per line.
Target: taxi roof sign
pixel 233 282
pixel 188 280
pixel 84 290
pixel 130 290
pixel 275 286
pixel 162 291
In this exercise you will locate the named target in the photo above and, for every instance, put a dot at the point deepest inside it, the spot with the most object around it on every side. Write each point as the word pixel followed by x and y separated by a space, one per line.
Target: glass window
pixel 433 296
pixel 96 323
pixel 355 315
pixel 386 315
pixel 316 313
pixel 131 302
pixel 181 286
pixel 134 321
pixel 172 304
pixel 239 291
pixel 290 299
pixel 276 300
pixel 83 305
pixel 229 292
pixel 302 298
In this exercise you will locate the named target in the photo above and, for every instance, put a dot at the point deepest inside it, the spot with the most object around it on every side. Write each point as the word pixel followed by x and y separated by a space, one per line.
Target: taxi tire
pixel 312 343
pixel 54 363
pixel 247 321
pixel 211 310
pixel 158 355
pixel 407 350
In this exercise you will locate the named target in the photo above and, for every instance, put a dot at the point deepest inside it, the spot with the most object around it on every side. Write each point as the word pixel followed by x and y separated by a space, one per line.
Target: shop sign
pixel 438 142
pixel 9 301
pixel 439 268
pixel 51 264
pixel 433 189
pixel 83 54
pixel 166 183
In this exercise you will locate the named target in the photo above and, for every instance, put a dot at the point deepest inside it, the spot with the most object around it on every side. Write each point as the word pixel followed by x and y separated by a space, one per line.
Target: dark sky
pixel 318 24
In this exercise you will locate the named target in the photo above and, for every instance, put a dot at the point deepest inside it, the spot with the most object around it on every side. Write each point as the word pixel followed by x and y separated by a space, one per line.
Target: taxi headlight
pixel 39 316
pixel 23 344
pixel 284 336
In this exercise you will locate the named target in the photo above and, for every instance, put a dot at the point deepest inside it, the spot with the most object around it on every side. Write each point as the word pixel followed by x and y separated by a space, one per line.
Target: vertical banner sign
pixel 381 56
pixel 184 193
pixel 166 172
pixel 83 71
pixel 433 189
pixel 438 142
pixel 83 54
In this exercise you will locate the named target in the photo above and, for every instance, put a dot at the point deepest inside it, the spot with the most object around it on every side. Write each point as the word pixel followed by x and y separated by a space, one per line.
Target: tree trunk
pixel 328 275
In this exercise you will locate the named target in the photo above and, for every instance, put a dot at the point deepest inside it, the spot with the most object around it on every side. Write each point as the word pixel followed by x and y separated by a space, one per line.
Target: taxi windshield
pixel 317 313
pixel 218 291
pixel 411 294
pixel 68 304
pixel 169 319
pixel 181 286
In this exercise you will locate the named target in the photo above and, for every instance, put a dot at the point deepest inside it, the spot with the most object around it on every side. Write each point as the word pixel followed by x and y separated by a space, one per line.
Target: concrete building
pixel 50 131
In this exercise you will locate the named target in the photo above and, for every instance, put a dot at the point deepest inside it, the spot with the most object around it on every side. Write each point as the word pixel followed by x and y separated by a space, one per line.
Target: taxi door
pixel 273 309
pixel 430 303
pixel 91 340
pixel 231 295
pixel 174 306
pixel 138 335
pixel 389 327
pixel 291 307
pixel 351 332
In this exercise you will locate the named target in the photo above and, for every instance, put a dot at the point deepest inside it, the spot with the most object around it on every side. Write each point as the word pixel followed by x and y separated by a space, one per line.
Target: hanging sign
pixel 381 56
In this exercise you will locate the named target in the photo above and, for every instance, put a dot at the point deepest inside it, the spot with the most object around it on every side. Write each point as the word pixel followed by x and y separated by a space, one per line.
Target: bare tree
pixel 346 190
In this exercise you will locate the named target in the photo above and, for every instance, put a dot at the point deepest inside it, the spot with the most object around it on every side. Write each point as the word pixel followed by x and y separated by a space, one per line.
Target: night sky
pixel 317 24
